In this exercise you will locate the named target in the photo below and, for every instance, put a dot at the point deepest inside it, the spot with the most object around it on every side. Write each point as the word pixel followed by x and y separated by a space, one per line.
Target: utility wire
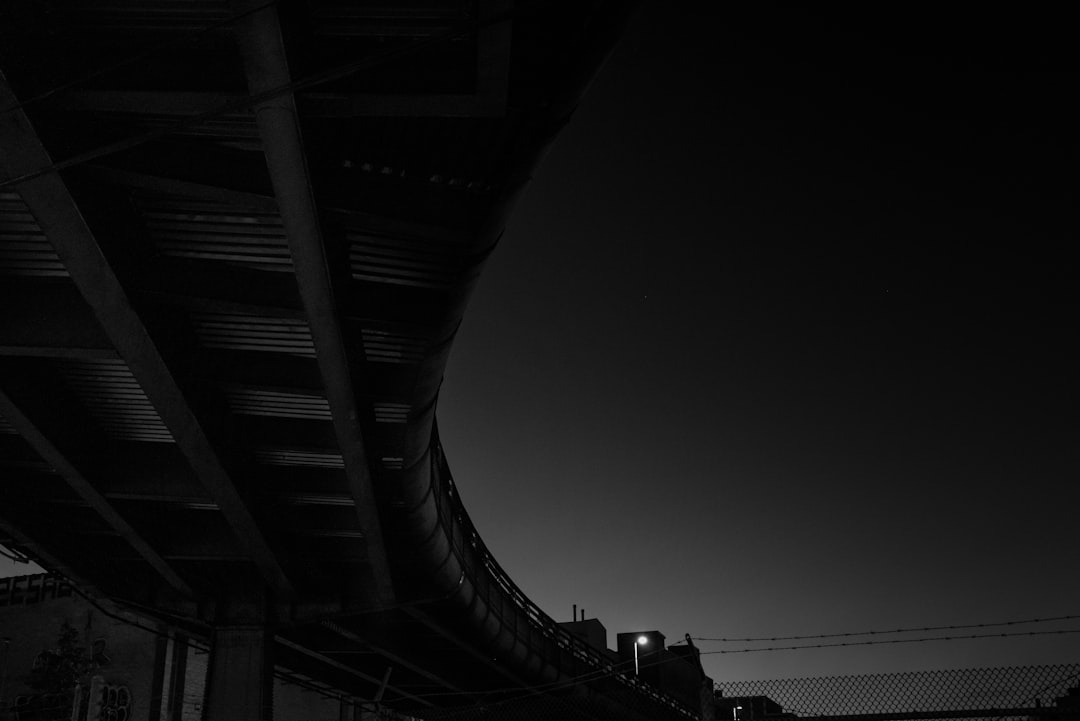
pixel 895 640
pixel 619 667
pixel 281 674
pixel 614 668
pixel 623 667
pixel 883 633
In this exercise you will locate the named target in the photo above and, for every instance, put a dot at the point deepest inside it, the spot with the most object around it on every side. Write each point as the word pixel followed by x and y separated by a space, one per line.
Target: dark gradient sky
pixel 782 340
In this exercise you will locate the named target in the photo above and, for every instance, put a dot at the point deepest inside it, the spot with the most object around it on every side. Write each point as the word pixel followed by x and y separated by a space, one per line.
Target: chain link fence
pixel 1018 692
pixel 1032 693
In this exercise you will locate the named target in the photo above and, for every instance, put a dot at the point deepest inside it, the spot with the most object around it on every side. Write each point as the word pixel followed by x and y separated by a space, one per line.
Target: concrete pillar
pixel 349 711
pixel 174 704
pixel 159 682
pixel 240 680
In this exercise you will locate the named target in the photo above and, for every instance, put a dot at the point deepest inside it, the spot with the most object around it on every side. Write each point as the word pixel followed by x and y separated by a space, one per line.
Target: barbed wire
pixel 893 641
pixel 623 666
pixel 884 633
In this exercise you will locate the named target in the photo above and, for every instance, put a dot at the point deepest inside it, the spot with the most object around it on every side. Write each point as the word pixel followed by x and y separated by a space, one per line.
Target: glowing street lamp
pixel 641 641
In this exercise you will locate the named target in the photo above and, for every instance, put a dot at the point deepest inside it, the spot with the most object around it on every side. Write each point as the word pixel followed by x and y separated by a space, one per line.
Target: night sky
pixel 782 340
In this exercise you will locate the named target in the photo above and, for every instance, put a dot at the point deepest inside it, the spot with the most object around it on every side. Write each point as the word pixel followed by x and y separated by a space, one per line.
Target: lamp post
pixel 640 641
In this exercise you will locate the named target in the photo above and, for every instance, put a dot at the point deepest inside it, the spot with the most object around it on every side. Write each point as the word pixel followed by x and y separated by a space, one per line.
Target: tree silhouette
pixel 57 670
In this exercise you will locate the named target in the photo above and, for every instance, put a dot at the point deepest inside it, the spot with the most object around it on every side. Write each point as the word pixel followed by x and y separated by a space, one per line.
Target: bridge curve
pixel 236 241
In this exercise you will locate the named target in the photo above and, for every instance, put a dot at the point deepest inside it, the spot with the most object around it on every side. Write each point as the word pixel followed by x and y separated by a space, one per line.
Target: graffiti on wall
pixel 108 702
pixel 68 687
pixel 103 702
pixel 41 707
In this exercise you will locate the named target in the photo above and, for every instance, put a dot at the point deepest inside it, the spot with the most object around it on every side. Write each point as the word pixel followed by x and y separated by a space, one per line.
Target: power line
pixel 290 676
pixel 621 667
pixel 883 633
pixel 612 669
pixel 556 686
pixel 894 641
pixel 615 668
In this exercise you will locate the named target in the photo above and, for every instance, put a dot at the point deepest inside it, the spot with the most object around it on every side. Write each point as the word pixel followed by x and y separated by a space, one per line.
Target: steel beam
pixel 45 557
pixel 197 188
pixel 57 212
pixel 209 287
pixel 33 433
pixel 143 102
pixel 47 320
pixel 243 186
pixel 346 669
pixel 316 104
pixel 396 659
pixel 152 471
pixel 263 50
pixel 433 625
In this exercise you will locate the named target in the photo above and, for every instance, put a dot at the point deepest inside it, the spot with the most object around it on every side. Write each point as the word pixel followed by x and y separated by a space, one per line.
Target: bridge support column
pixel 240 680
pixel 350 711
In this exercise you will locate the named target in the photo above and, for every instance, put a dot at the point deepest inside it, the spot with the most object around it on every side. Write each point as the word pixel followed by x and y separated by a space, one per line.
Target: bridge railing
pixel 569 654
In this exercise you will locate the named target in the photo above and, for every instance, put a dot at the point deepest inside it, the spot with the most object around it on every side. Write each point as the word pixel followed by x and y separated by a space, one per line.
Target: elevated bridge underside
pixel 236 241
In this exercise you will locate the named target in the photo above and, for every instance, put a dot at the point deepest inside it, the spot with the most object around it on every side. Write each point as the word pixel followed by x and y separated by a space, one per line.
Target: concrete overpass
pixel 236 241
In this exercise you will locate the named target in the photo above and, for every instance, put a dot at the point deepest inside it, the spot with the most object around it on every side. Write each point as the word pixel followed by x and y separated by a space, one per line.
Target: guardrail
pixel 543 635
